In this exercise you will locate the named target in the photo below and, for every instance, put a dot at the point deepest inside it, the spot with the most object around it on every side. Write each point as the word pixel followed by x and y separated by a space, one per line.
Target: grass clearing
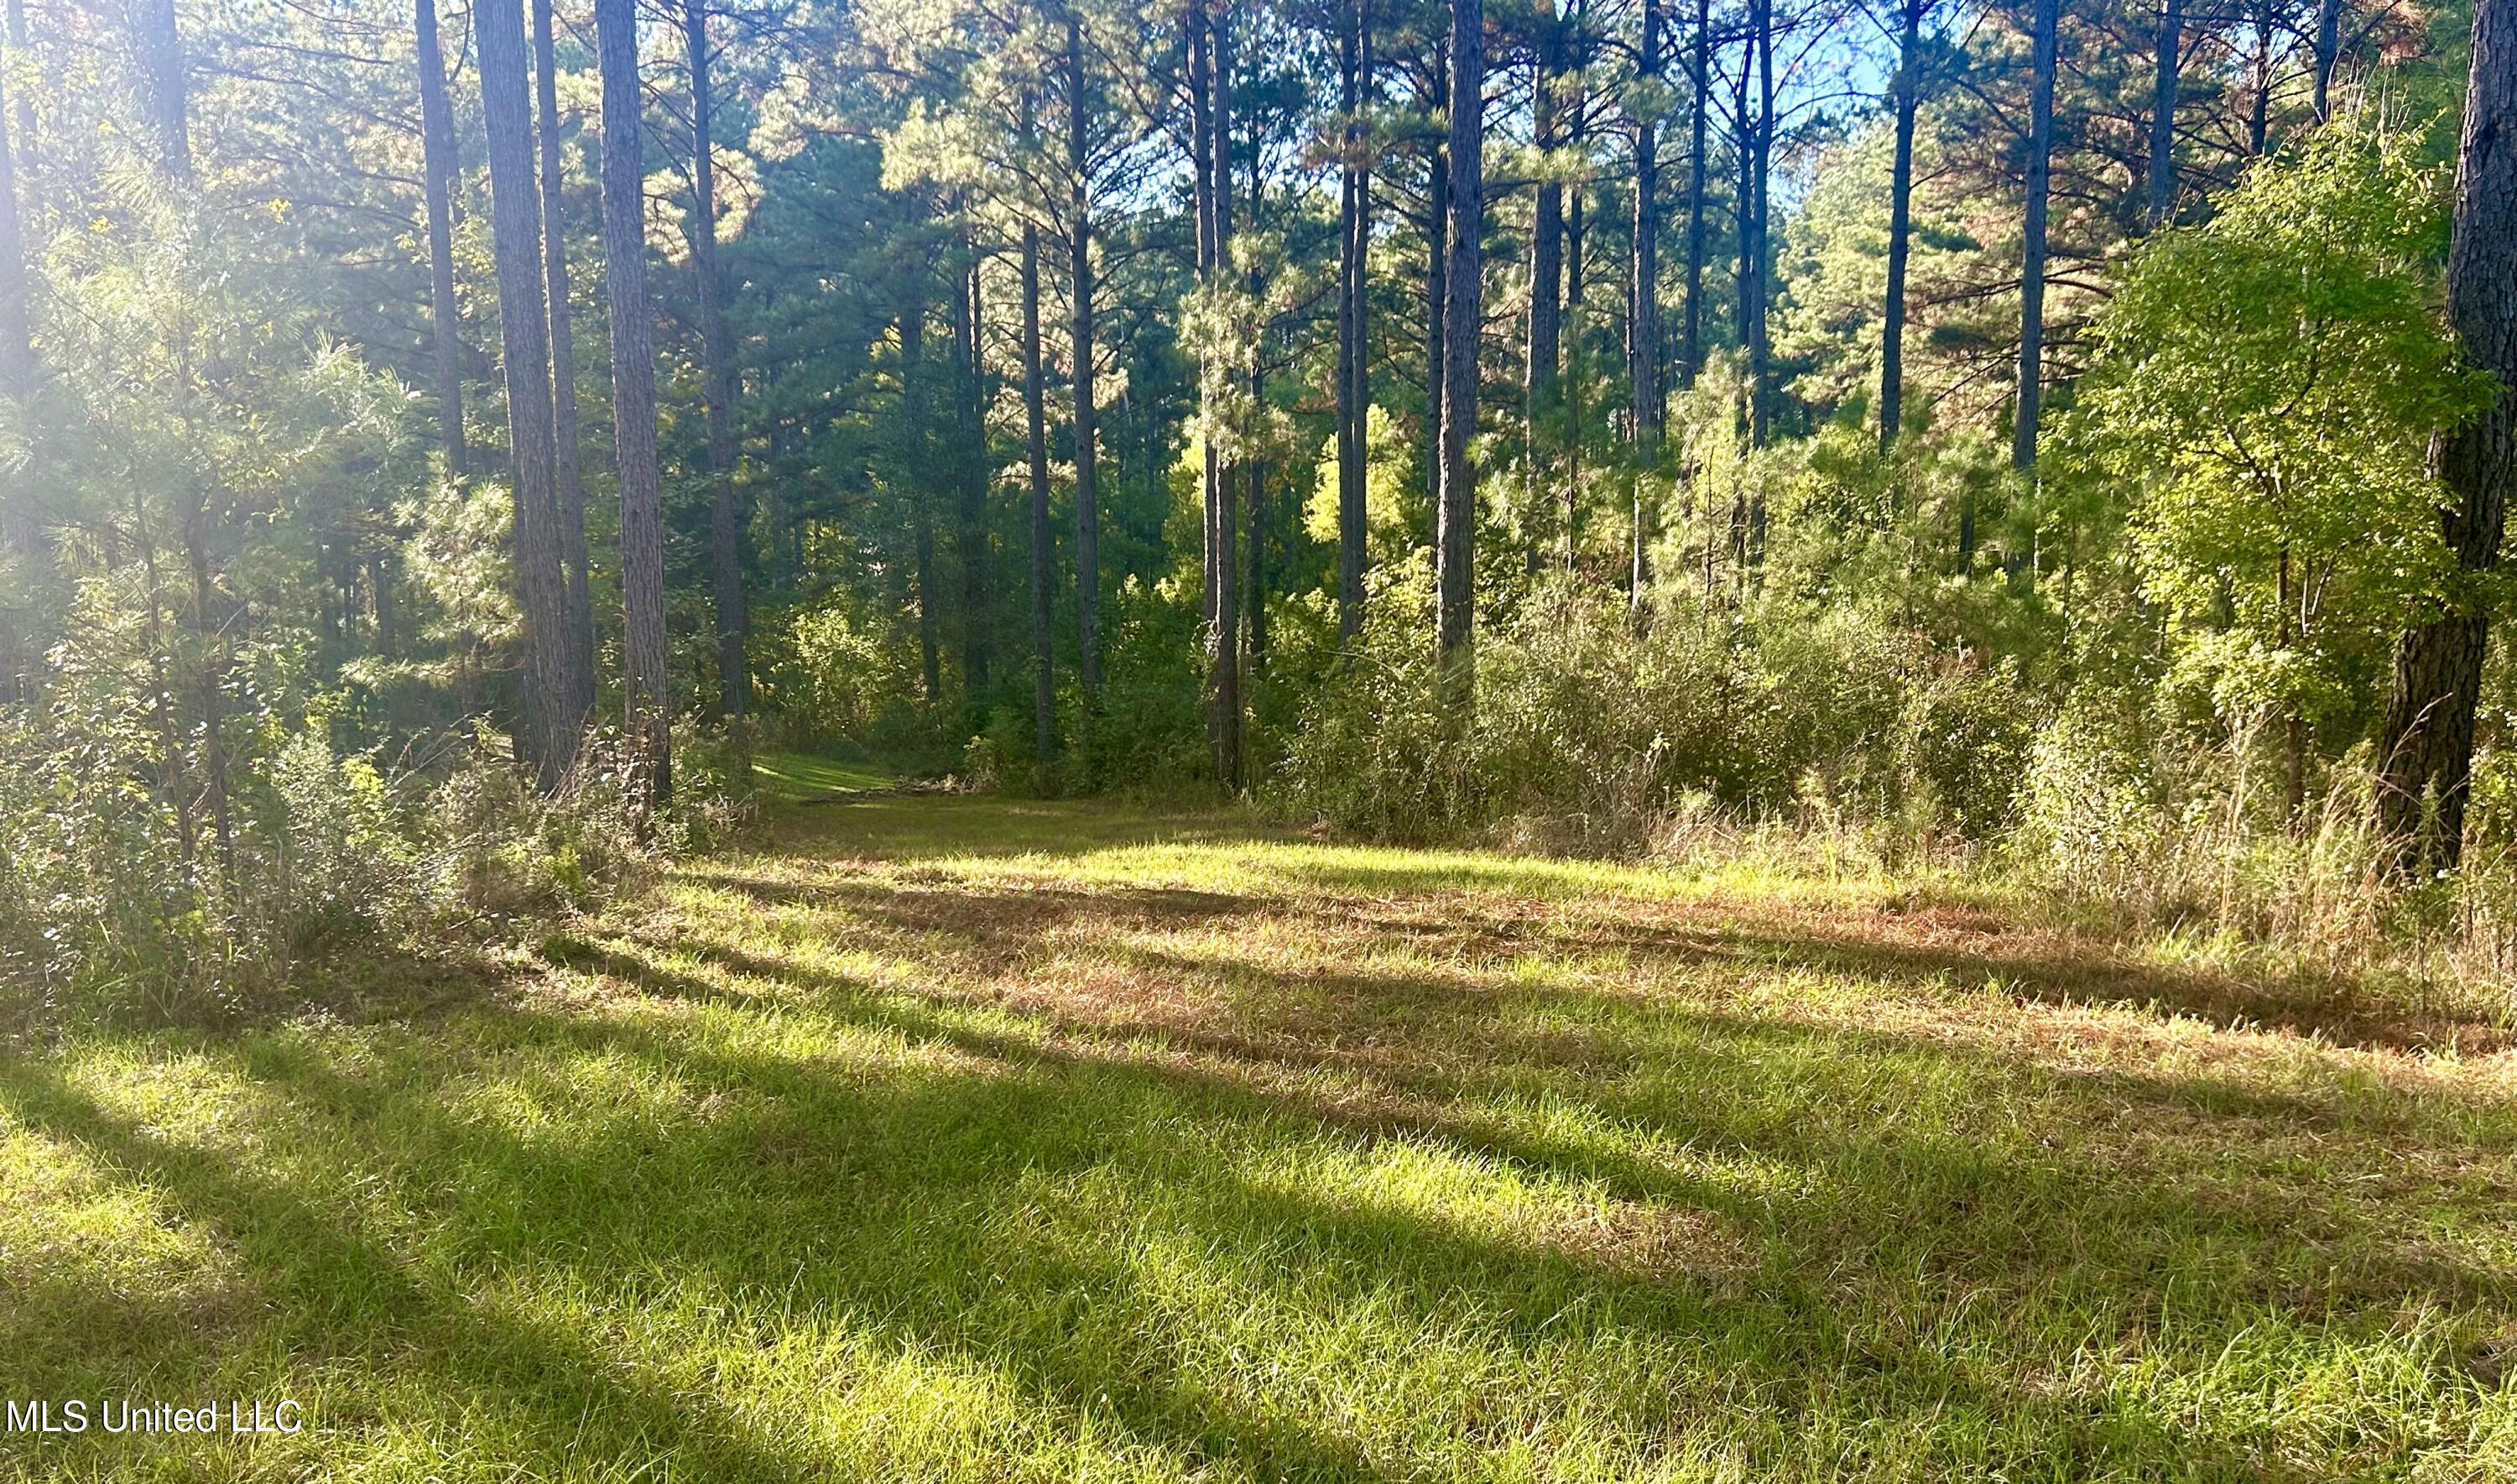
pixel 946 1139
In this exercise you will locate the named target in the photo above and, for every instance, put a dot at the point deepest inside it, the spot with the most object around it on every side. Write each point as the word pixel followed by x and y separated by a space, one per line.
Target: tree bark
pixel 524 328
pixel 1044 551
pixel 1201 82
pixel 579 636
pixel 168 72
pixel 2162 114
pixel 647 708
pixel 445 317
pixel 2031 270
pixel 1456 502
pixel 914 486
pixel 1224 670
pixel 971 545
pixel 1353 244
pixel 1761 359
pixel 1900 196
pixel 1643 340
pixel 1690 358
pixel 1437 196
pixel 1642 332
pixel 1087 515
pixel 1545 276
pixel 2426 748
pixel 2329 47
pixel 716 353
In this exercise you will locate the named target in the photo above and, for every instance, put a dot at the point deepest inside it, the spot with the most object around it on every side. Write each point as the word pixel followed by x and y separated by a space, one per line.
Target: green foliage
pixel 1590 737
pixel 2268 388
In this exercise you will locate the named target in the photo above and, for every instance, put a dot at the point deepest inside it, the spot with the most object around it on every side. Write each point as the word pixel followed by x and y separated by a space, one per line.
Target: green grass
pixel 942 1138
pixel 790 777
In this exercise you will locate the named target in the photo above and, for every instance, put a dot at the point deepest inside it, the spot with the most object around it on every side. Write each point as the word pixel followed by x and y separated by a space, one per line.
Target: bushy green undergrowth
pixel 125 894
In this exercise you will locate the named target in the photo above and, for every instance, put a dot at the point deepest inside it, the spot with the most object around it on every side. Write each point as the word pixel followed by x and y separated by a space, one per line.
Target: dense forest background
pixel 442 445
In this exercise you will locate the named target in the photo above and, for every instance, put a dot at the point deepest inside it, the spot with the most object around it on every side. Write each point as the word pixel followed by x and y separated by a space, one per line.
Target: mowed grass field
pixel 932 1138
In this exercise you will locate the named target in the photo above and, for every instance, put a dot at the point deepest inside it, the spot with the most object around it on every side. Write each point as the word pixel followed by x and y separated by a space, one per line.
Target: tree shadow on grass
pixel 914 1201
pixel 1020 1206
pixel 2336 1009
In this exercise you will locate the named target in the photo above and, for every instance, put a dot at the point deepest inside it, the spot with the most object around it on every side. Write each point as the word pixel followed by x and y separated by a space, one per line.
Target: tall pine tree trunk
pixel 167 71
pixel 2032 270
pixel 1353 242
pixel 647 709
pixel 1643 332
pixel 438 163
pixel 915 484
pixel 1087 511
pixel 579 637
pixel 1043 550
pixel 1223 682
pixel 716 354
pixel 2427 746
pixel 1546 279
pixel 1901 217
pixel 2162 113
pixel 2327 50
pixel 1201 109
pixel 1455 510
pixel 524 329
pixel 1438 271
pixel 1761 255
pixel 970 547
pixel 1690 354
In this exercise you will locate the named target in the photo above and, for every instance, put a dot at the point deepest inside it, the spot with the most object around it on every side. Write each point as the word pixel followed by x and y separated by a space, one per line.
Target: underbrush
pixel 1835 744
pixel 128 893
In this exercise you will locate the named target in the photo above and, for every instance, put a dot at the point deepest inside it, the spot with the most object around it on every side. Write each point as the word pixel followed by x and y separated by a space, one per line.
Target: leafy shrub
pixel 1589 735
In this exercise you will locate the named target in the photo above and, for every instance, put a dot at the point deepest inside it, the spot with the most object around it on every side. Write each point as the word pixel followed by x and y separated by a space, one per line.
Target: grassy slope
pixel 960 1139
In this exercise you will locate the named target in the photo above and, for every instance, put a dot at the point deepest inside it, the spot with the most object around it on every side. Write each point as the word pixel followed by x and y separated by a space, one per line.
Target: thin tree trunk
pixel 2162 114
pixel 2329 47
pixel 579 637
pixel 717 351
pixel 1643 340
pixel 1088 516
pixel 1900 196
pixel 1456 504
pixel 1546 280
pixel 445 317
pixel 168 73
pixel 646 712
pixel 2031 272
pixel 1044 551
pixel 1224 679
pixel 971 546
pixel 2426 750
pixel 1254 596
pixel 1643 296
pixel 1201 81
pixel 1761 368
pixel 1690 356
pixel 524 327
pixel 914 486
pixel 1353 242
pixel 1437 196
